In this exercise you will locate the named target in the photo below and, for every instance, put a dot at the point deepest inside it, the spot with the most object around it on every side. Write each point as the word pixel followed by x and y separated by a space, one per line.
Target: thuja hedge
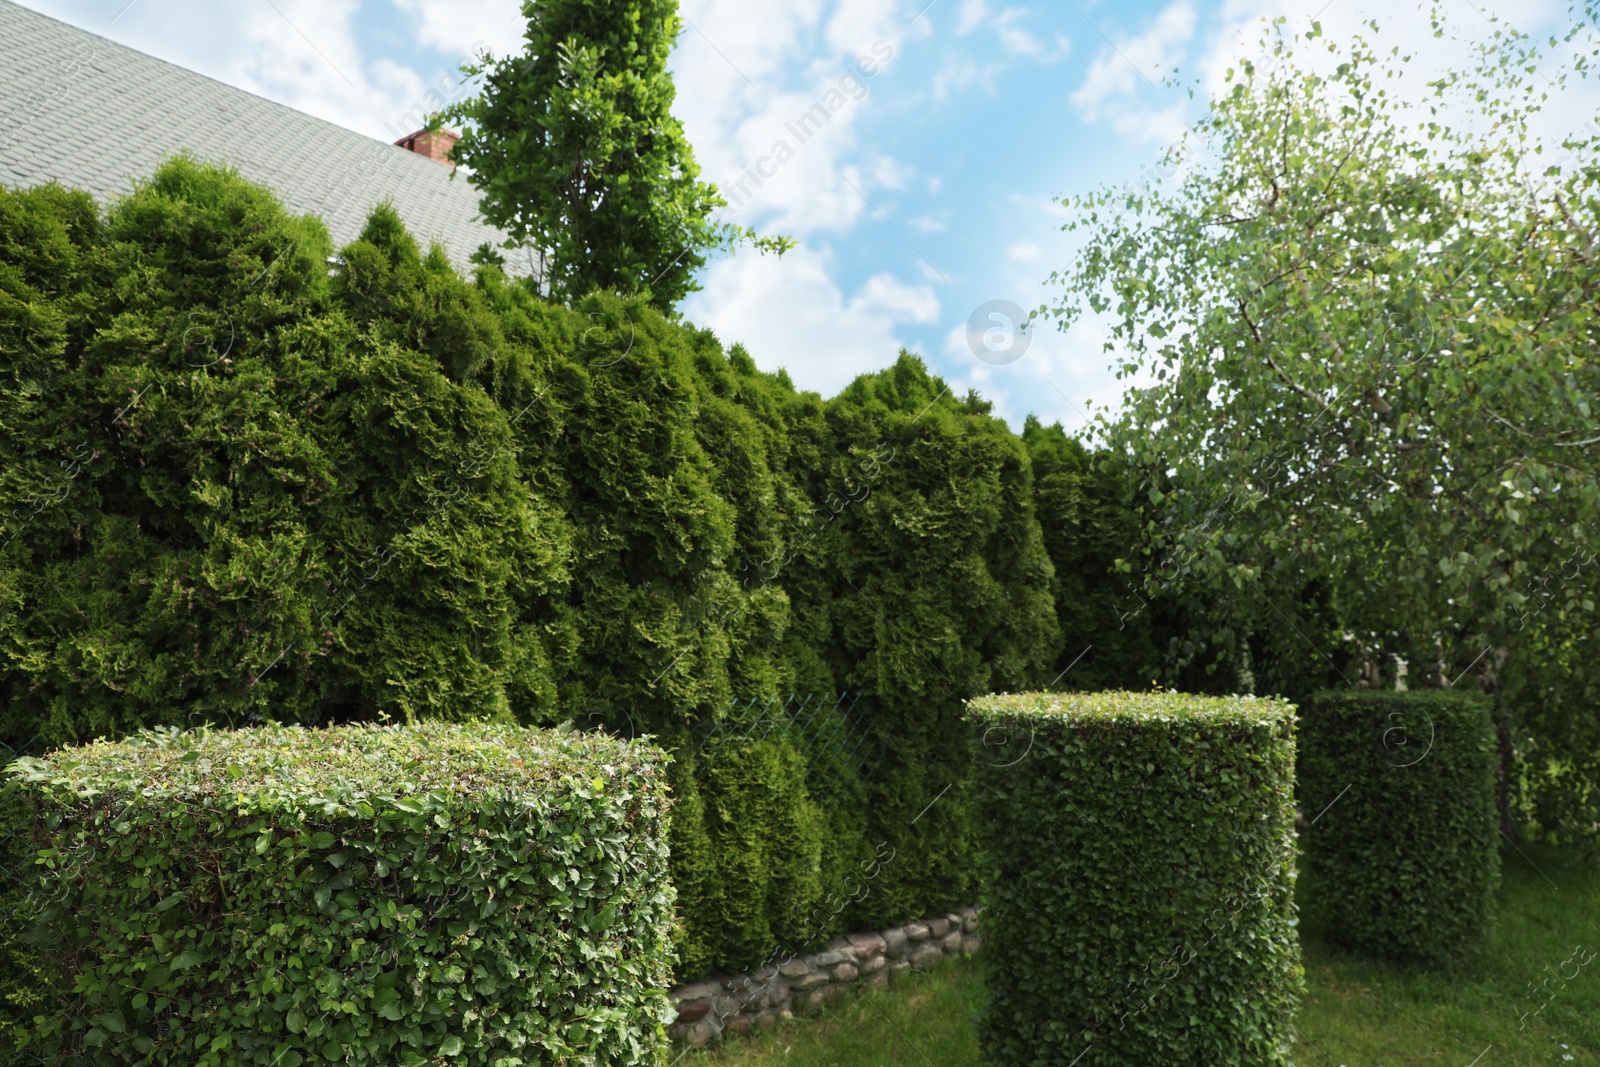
pixel 1138 858
pixel 924 581
pixel 1113 634
pixel 1402 851
pixel 436 893
pixel 238 483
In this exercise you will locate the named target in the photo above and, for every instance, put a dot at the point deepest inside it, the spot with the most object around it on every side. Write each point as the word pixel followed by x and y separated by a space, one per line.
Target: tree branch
pixel 1588 242
pixel 1244 313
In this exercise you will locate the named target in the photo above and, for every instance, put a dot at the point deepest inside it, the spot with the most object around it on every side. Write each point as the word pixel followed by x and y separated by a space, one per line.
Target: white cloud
pixel 1155 126
pixel 786 167
pixel 974 13
pixel 465 27
pixel 889 173
pixel 731 40
pixel 932 273
pixel 790 313
pixel 957 74
pixel 1118 70
pixel 773 120
pixel 1024 252
pixel 408 108
pixel 858 24
pixel 1061 377
pixel 906 303
pixel 1018 41
pixel 930 223
pixel 1013 38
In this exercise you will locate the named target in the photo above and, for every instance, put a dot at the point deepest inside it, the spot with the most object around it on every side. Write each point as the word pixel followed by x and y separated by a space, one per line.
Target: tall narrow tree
pixel 576 151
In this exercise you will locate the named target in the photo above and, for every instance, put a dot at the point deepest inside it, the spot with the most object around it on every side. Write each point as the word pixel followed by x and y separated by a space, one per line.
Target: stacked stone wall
pixel 758 998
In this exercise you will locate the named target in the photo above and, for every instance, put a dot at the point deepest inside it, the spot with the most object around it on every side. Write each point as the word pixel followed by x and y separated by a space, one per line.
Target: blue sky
pixel 929 191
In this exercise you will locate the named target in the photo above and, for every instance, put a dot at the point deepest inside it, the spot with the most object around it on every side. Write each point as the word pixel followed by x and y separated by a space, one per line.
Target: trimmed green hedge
pixel 467 894
pixel 22 985
pixel 1398 790
pixel 1138 858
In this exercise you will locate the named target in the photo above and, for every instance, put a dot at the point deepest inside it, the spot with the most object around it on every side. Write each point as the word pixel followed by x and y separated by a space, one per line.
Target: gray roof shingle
pixel 91 114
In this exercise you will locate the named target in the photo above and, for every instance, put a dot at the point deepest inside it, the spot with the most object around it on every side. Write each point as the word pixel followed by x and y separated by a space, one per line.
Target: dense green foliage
pixel 576 151
pixel 758 872
pixel 23 987
pixel 1402 853
pixel 1370 318
pixel 246 501
pixel 1138 857
pixel 1114 635
pixel 929 572
pixel 239 486
pixel 491 895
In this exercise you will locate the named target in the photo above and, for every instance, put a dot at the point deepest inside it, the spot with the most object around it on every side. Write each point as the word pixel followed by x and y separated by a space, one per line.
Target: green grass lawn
pixel 925 1019
pixel 1356 1013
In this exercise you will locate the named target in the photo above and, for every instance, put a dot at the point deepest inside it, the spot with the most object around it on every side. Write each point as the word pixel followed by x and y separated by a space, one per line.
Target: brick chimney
pixel 433 144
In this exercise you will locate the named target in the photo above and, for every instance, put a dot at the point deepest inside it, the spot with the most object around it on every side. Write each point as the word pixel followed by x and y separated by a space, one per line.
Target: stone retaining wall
pixel 758 998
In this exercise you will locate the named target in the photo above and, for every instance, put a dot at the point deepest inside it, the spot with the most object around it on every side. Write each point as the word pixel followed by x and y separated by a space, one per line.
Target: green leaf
pixel 111 1021
pixel 386 1003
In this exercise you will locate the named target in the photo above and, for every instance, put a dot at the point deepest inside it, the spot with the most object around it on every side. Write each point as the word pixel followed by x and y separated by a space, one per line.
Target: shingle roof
pixel 91 114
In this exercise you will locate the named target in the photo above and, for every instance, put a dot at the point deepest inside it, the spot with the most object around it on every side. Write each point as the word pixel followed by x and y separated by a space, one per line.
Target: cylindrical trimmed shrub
pixel 1138 862
pixel 464 894
pixel 1398 792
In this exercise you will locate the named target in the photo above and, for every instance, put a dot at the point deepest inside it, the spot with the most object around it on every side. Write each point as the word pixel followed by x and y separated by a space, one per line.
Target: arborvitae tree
pixel 925 558
pixel 1090 522
pixel 419 302
pixel 276 512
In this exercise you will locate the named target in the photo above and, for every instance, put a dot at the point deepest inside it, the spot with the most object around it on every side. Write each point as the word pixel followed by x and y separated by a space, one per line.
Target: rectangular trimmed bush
pixel 1401 847
pixel 1138 886
pixel 461 894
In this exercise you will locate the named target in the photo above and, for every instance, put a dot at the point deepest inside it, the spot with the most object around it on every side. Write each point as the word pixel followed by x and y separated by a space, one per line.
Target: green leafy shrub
pixel 1138 859
pixel 1401 847
pixel 471 894
pixel 22 980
